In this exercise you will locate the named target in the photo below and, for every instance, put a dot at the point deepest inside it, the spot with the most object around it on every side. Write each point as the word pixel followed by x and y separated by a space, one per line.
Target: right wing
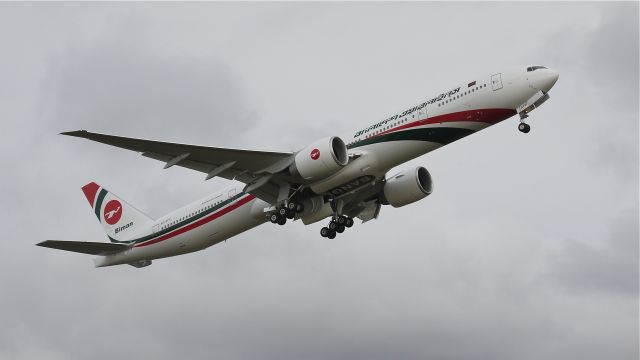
pixel 258 169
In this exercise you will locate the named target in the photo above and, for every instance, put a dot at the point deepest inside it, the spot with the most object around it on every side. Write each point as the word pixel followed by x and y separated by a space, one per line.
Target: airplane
pixel 335 178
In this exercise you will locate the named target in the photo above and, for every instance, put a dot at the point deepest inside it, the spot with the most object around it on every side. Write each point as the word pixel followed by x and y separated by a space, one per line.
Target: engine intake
pixel 408 186
pixel 320 159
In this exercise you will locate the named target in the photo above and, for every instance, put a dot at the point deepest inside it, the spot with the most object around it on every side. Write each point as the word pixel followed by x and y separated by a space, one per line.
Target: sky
pixel 527 249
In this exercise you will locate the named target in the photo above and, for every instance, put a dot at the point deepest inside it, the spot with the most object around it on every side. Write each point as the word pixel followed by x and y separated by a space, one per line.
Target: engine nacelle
pixel 320 159
pixel 315 209
pixel 408 186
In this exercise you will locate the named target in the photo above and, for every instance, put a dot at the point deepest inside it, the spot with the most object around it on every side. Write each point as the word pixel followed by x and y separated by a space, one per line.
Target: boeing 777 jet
pixel 337 178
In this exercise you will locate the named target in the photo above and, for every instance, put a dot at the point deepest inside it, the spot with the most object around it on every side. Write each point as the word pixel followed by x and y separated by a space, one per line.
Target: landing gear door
pixel 496 81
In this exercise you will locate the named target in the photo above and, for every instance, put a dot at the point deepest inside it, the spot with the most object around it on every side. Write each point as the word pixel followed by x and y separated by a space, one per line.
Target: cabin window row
pixel 468 92
pixel 175 222
pixel 385 128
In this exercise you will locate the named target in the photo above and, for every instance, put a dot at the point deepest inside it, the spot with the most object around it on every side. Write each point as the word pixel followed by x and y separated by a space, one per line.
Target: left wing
pixel 260 170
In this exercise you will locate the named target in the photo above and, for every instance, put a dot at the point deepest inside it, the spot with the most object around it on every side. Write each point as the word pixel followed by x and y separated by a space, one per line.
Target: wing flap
pixel 85 247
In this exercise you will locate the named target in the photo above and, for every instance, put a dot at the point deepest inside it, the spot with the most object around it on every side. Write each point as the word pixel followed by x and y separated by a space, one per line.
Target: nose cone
pixel 545 79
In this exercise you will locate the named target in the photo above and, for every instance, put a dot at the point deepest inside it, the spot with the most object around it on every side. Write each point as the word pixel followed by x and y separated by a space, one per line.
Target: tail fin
pixel 120 220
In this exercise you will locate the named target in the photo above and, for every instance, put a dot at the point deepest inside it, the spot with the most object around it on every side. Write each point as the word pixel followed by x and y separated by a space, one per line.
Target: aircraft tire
pixel 274 218
pixel 341 220
pixel 340 229
pixel 282 211
pixel 333 225
pixel 324 232
pixel 524 127
pixel 282 221
pixel 332 235
pixel 349 222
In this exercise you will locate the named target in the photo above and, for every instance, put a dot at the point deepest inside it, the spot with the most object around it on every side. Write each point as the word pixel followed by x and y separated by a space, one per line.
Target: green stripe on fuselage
pixel 441 135
pixel 181 223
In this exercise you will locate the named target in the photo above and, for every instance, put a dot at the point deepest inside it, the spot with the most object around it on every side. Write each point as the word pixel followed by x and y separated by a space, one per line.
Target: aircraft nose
pixel 546 79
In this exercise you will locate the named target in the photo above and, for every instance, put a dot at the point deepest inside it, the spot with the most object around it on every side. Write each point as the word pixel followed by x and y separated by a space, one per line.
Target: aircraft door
pixel 496 81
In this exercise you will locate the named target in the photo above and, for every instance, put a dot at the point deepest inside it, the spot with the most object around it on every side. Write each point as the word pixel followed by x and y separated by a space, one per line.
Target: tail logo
pixel 112 212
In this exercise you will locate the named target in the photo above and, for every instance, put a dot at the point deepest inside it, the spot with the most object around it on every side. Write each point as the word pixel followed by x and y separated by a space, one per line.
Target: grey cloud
pixel 610 266
pixel 480 269
pixel 602 64
pixel 121 84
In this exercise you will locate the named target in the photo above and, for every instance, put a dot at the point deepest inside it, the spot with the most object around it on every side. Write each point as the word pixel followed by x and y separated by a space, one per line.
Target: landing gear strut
pixel 523 126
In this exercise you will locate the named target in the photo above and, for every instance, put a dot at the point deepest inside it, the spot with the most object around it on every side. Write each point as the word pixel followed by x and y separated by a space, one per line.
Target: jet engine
pixel 315 209
pixel 320 159
pixel 407 186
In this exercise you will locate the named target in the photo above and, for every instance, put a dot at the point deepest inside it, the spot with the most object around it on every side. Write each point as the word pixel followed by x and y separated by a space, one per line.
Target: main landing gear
pixel 287 211
pixel 336 225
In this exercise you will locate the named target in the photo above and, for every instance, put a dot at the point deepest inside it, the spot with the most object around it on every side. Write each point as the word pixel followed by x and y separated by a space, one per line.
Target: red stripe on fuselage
pixel 489 116
pixel 200 222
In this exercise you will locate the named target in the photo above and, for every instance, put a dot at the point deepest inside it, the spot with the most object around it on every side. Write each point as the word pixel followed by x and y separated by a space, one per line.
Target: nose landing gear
pixel 523 126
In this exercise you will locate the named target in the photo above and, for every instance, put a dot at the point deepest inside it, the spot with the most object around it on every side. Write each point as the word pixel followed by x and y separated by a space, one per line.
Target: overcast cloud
pixel 527 249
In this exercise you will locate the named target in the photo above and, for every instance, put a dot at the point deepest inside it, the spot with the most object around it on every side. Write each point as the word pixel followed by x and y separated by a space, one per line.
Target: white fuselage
pixel 439 120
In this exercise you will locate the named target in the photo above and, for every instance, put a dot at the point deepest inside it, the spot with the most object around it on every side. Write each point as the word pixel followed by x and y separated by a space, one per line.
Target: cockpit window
pixel 533 68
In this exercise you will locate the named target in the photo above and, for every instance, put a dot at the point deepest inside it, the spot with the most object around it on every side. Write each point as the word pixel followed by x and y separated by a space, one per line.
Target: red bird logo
pixel 112 212
pixel 315 154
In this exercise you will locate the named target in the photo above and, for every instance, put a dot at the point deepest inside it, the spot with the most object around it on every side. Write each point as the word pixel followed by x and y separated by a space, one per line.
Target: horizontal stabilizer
pixel 85 247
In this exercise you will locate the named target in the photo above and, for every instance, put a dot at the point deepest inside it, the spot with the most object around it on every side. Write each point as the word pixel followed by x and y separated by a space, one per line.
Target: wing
pixel 258 169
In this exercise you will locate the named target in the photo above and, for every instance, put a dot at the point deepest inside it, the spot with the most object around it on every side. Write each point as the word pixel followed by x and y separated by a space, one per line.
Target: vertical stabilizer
pixel 120 220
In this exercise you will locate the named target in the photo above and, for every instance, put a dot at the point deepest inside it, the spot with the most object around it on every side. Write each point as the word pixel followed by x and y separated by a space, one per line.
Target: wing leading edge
pixel 258 169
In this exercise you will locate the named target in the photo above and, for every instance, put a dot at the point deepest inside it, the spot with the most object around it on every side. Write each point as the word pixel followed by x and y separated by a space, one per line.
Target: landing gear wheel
pixel 282 221
pixel 332 235
pixel 291 214
pixel 324 232
pixel 291 206
pixel 341 220
pixel 333 225
pixel 340 229
pixel 349 222
pixel 282 211
pixel 524 127
pixel 273 218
